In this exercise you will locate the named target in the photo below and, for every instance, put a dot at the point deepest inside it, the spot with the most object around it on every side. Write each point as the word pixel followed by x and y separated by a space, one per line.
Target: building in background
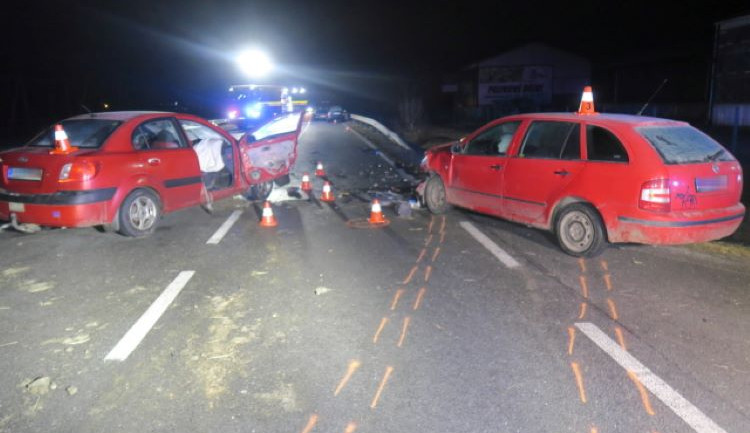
pixel 729 101
pixel 532 77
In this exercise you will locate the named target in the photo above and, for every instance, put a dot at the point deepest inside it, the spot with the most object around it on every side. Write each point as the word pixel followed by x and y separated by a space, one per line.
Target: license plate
pixel 16 207
pixel 21 173
pixel 711 184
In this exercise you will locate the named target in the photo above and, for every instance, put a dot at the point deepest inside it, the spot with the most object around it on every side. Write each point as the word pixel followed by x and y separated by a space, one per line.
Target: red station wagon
pixel 127 169
pixel 592 178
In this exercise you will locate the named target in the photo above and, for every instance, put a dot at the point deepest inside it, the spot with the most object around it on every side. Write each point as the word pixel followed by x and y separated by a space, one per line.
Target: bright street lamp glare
pixel 254 63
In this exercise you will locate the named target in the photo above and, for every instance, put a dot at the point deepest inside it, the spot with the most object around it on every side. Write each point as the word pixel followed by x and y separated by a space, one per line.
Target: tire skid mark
pixel 310 423
pixel 427 273
pixel 420 295
pixel 386 376
pixel 410 276
pixel 353 366
pixel 396 297
pixel 428 241
pixel 435 254
pixel 582 312
pixel 571 339
pixel 404 327
pixel 383 321
pixel 421 255
pixel 642 391
pixel 579 381
pixel 612 309
pixel 608 282
pixel 582 264
pixel 620 338
pixel 584 286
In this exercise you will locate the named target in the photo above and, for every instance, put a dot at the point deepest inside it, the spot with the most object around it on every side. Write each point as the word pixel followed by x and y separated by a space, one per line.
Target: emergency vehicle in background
pixel 249 105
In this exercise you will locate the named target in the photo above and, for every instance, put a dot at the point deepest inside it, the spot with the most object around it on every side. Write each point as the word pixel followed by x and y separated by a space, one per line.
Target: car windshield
pixel 683 144
pixel 83 133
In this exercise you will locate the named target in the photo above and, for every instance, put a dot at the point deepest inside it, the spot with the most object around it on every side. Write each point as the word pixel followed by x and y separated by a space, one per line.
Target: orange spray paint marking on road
pixel 620 338
pixel 605 266
pixel 396 297
pixel 353 366
pixel 608 282
pixel 421 255
pixel 310 423
pixel 407 319
pixel 612 309
pixel 582 314
pixel 579 381
pixel 432 222
pixel 386 376
pixel 410 276
pixel 442 225
pixel 420 295
pixel 442 237
pixel 644 394
pixel 383 321
pixel 584 286
pixel 435 254
pixel 427 273
pixel 571 339
pixel 582 264
pixel 428 240
pixel 594 429
pixel 351 427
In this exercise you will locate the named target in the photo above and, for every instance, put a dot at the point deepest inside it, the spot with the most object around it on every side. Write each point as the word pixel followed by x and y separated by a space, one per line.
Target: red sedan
pixel 127 169
pixel 592 178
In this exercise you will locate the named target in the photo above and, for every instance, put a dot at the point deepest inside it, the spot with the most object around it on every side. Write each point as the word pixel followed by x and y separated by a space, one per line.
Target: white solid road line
pixel 138 331
pixel 219 235
pixel 498 252
pixel 671 398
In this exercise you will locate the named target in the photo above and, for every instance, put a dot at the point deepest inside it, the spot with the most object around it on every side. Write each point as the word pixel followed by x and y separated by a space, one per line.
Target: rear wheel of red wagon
pixel 580 231
pixel 139 214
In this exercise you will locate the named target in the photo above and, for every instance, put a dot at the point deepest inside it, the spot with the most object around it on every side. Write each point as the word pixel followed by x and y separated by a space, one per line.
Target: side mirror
pixel 456 147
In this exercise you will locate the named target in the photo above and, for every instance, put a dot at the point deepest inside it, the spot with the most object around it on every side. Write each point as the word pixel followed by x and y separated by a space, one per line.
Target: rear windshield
pixel 83 133
pixel 684 144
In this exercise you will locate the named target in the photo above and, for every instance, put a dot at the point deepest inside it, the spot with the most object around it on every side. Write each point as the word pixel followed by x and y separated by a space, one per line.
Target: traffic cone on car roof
pixel 268 220
pixel 327 194
pixel 376 213
pixel 587 101
pixel 306 187
pixel 319 170
pixel 62 143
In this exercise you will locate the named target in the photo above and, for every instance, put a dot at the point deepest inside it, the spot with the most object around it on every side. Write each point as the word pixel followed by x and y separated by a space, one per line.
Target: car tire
pixel 580 231
pixel 283 180
pixel 139 214
pixel 434 195
pixel 259 192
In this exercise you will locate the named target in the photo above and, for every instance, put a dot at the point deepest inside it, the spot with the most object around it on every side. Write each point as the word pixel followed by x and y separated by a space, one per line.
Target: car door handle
pixel 496 167
pixel 562 172
pixel 154 161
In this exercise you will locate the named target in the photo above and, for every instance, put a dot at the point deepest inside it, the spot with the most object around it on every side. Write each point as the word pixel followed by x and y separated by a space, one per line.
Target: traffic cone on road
pixel 587 102
pixel 268 220
pixel 319 170
pixel 327 194
pixel 376 213
pixel 62 143
pixel 306 187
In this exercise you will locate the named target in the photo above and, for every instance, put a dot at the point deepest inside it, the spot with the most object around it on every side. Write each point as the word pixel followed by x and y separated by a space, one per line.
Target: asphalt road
pixel 325 325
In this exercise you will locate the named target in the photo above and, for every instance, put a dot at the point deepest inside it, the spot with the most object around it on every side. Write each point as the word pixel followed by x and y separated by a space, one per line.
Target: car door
pixel 270 151
pixel 548 159
pixel 168 163
pixel 476 172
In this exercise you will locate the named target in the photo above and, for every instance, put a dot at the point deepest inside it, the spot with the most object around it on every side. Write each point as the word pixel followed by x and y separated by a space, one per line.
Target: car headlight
pixel 423 163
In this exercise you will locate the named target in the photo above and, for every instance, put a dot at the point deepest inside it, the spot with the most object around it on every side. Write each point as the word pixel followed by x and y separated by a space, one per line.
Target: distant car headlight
pixel 309 110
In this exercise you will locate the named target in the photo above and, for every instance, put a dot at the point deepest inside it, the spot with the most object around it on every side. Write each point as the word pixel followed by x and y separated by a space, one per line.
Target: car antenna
pixel 652 97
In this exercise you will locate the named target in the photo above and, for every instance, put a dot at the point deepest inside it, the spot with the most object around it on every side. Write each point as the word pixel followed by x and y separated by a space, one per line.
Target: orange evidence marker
pixel 319 171
pixel 268 220
pixel 306 186
pixel 327 195
pixel 376 213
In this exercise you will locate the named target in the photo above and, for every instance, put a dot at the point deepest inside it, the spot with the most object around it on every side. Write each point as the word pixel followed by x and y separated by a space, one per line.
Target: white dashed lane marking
pixel 219 235
pixel 138 331
pixel 491 246
pixel 671 398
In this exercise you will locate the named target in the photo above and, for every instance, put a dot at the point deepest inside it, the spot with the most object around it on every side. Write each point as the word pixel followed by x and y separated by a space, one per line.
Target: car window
pixel 281 125
pixel 493 141
pixel 197 133
pixel 83 133
pixel 683 144
pixel 602 145
pixel 157 134
pixel 551 139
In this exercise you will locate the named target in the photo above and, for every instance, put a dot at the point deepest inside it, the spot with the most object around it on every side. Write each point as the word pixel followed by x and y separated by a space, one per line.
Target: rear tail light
pixel 655 196
pixel 77 171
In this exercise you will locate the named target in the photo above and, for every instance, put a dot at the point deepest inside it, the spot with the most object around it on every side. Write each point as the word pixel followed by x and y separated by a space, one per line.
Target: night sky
pixel 145 54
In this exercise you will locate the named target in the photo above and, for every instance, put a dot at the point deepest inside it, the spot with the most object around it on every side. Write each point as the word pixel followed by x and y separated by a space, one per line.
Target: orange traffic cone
pixel 319 170
pixel 587 102
pixel 376 214
pixel 306 187
pixel 327 195
pixel 268 220
pixel 62 143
